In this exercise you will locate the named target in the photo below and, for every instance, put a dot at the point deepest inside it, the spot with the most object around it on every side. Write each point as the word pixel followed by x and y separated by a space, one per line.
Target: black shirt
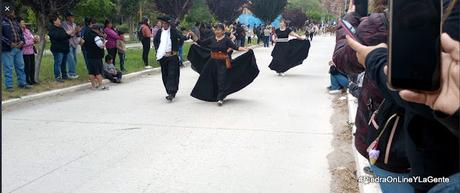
pixel 93 51
pixel 59 39
pixel 283 34
pixel 222 45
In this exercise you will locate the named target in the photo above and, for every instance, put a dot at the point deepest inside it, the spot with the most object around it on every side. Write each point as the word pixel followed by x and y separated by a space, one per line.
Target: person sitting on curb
pixel 110 72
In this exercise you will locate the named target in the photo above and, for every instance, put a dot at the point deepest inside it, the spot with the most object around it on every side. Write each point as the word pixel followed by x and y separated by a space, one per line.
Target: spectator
pixel 196 30
pixel 250 33
pixel 74 41
pixel 12 41
pixel 59 47
pixel 28 52
pixel 121 46
pixel 87 28
pixel 110 72
pixel 146 35
pixel 266 37
pixel 156 28
pixel 112 37
pixel 339 81
pixel 94 45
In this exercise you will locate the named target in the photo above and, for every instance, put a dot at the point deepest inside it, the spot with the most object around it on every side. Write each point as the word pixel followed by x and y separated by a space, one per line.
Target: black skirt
pixel 244 71
pixel 287 55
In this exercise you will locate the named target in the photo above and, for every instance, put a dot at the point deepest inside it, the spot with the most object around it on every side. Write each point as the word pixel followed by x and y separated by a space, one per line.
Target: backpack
pixel 385 137
pixel 140 35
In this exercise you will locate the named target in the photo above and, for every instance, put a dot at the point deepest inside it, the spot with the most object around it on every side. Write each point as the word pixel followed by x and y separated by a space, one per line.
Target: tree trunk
pixel 41 19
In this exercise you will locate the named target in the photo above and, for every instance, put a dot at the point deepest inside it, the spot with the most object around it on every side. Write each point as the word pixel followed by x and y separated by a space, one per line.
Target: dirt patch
pixel 341 160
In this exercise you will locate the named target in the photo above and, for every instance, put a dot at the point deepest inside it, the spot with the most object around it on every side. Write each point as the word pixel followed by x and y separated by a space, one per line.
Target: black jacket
pixel 93 51
pixel 175 39
pixel 432 148
pixel 59 39
pixel 7 33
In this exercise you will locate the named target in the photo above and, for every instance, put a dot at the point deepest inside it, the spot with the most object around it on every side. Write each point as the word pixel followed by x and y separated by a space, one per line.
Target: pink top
pixel 28 48
pixel 112 38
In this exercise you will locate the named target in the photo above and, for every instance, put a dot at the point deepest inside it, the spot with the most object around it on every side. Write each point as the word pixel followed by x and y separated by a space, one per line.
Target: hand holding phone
pixel 414 49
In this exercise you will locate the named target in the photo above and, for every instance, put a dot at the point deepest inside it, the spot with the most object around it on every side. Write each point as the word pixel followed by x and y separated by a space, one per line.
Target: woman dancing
pixel 219 75
pixel 288 53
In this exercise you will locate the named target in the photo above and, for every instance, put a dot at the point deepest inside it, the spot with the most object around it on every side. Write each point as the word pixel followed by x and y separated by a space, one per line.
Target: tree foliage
pixel 226 11
pixel 198 13
pixel 268 10
pixel 295 17
pixel 174 8
pixel 98 9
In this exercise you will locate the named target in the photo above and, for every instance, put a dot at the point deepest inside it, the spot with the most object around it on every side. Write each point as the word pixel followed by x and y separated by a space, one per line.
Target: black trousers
pixel 145 50
pixel 113 53
pixel 221 77
pixel 112 77
pixel 29 68
pixel 170 72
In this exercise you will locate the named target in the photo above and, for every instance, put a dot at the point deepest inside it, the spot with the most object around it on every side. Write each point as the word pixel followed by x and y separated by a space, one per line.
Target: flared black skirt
pixel 244 71
pixel 287 55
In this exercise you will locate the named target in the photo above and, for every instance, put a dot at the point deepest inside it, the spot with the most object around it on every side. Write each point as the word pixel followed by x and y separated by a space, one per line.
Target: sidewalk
pixel 360 161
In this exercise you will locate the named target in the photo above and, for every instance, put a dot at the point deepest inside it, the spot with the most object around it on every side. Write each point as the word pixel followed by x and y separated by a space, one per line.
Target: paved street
pixel 272 137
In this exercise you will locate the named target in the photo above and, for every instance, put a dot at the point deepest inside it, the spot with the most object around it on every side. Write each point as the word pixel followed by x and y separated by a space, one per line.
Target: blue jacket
pixel 7 33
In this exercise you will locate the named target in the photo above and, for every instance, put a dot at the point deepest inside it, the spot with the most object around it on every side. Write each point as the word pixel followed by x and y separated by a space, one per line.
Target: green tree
pixel 98 9
pixel 226 11
pixel 42 9
pixel 174 8
pixel 198 13
pixel 268 10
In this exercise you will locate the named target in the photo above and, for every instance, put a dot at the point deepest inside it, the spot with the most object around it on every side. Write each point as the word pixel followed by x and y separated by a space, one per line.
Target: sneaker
pixel 335 91
pixel 169 98
pixel 59 80
pixel 73 77
pixel 103 88
pixel 9 90
pixel 220 103
pixel 148 67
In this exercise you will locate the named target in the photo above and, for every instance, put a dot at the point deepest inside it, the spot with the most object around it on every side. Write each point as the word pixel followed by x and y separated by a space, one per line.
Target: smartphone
pixel 414 46
pixel 349 29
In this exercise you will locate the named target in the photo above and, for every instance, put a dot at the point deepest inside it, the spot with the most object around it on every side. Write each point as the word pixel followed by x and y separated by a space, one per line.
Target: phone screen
pixel 415 53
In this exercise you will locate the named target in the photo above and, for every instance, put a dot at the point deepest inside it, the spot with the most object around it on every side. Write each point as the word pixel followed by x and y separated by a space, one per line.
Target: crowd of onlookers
pixel 408 137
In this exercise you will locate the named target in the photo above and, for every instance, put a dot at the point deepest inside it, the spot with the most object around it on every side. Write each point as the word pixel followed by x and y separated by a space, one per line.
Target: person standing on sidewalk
pixel 94 45
pixel 166 43
pixel 121 46
pixel 146 35
pixel 74 41
pixel 12 41
pixel 87 28
pixel 28 53
pixel 59 47
pixel 112 37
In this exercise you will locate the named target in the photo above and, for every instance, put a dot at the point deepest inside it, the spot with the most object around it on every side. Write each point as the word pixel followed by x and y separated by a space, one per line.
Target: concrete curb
pixel 11 102
pixel 131 76
pixel 360 161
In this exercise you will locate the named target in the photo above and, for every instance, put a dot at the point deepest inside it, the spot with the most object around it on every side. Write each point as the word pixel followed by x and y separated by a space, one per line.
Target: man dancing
pixel 166 43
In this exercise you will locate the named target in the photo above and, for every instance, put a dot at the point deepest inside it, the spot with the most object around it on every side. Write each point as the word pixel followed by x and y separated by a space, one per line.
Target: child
pixel 110 72
pixel 121 46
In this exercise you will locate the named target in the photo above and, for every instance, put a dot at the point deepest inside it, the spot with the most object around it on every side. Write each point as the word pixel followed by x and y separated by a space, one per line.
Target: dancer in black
pixel 166 43
pixel 288 53
pixel 219 75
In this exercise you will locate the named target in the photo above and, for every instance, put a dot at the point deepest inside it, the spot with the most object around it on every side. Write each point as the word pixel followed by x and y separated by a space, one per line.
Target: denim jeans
pixel 14 59
pixel 180 54
pixel 453 186
pixel 338 81
pixel 60 67
pixel 266 41
pixel 83 51
pixel 395 186
pixel 72 61
pixel 122 57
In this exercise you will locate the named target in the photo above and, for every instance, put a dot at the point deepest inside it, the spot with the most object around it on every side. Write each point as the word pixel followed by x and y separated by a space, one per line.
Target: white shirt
pixel 165 43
